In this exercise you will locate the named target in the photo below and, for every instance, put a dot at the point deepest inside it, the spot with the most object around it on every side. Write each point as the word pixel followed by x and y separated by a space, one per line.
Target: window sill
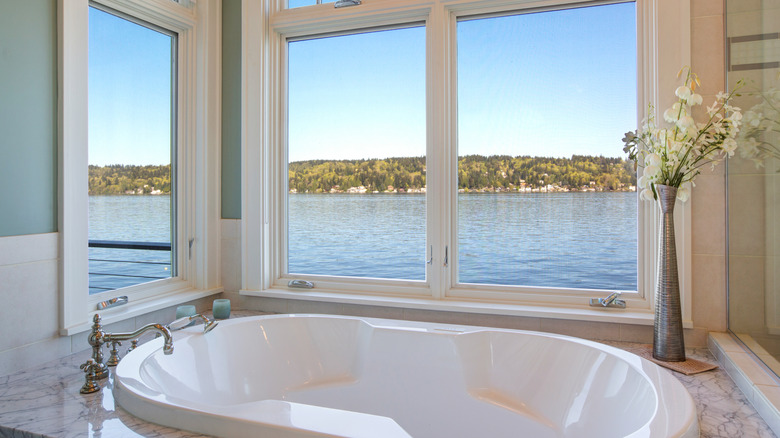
pixel 576 313
pixel 141 307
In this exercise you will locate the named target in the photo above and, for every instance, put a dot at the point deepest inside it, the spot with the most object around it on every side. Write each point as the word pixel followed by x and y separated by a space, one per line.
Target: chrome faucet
pixel 208 324
pixel 97 338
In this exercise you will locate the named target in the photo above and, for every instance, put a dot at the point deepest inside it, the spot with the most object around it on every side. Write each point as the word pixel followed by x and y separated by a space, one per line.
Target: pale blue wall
pixel 28 117
pixel 231 109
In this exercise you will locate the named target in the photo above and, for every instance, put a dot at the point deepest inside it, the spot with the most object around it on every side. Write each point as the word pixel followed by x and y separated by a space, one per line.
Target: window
pixel 527 202
pixel 157 52
pixel 543 101
pixel 356 147
pixel 131 127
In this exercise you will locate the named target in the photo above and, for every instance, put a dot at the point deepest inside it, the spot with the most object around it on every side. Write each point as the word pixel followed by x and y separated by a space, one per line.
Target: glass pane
pixel 130 143
pixel 543 102
pixel 754 179
pixel 356 203
pixel 298 3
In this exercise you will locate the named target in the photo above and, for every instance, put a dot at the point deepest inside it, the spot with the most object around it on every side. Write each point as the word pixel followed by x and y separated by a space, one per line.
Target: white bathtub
pixel 317 375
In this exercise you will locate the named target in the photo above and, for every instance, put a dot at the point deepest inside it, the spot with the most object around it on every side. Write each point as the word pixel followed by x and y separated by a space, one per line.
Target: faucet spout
pixel 159 328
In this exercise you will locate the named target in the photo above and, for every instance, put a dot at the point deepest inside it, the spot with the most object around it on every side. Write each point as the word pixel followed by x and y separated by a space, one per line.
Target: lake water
pixel 580 240
pixel 128 218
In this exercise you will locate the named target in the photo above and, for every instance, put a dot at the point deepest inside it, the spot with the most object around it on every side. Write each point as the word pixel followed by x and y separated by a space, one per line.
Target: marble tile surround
pixel 45 402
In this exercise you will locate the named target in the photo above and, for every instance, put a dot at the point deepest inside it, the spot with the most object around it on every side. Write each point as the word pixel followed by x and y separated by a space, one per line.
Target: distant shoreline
pixel 471 192
pixel 407 175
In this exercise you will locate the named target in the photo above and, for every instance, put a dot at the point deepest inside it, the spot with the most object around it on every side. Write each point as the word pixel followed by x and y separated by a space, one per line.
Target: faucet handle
pixel 90 368
pixel 182 323
pixel 113 360
pixel 133 345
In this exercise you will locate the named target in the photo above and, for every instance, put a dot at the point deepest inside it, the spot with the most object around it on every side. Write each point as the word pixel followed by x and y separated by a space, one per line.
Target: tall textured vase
pixel 668 342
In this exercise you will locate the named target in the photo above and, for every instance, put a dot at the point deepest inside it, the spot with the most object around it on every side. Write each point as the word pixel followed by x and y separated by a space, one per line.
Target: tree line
pixel 475 173
pixel 401 174
pixel 119 179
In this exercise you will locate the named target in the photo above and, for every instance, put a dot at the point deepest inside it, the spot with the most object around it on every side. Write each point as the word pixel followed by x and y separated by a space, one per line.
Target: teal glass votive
pixel 185 310
pixel 221 309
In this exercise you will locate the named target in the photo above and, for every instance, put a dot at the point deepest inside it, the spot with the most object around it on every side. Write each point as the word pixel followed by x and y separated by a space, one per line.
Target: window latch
pixel 301 284
pixel 345 3
pixel 430 260
pixel 611 300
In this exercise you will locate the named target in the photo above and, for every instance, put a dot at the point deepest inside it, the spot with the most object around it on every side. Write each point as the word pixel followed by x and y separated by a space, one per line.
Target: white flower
pixel 753 119
pixel 711 110
pixel 749 148
pixel 674 153
pixel 671 114
pixel 683 193
pixel 694 99
pixel 653 160
pixel 683 92
pixel 686 122
pixel 729 146
pixel 652 171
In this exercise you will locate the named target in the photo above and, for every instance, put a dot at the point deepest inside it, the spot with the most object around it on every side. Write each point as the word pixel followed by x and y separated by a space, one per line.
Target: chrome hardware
pixel 90 385
pixel 301 284
pixel 430 260
pixel 610 301
pixel 345 3
pixel 113 360
pixel 446 256
pixel 97 338
pixel 208 324
pixel 113 302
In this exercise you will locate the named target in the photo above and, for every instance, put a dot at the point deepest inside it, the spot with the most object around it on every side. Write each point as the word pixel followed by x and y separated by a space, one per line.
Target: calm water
pixel 582 240
pixel 128 218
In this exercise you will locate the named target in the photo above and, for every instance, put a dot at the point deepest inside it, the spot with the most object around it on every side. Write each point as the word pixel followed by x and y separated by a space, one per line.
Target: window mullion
pixel 440 122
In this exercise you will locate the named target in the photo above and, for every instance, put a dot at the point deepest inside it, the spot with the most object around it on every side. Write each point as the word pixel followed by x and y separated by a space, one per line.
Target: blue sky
pixel 552 83
pixel 129 92
pixel 548 84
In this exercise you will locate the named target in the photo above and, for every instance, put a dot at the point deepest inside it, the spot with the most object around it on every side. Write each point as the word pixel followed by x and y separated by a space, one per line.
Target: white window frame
pixel 663 46
pixel 197 101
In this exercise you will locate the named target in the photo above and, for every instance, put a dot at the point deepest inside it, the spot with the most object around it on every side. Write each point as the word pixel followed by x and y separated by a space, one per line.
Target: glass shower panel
pixel 753 55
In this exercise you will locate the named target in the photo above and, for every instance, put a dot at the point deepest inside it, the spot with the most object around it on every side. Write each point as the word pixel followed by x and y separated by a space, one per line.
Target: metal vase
pixel 668 342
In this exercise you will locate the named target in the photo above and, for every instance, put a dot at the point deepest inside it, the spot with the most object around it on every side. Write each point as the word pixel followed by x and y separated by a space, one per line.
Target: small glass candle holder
pixel 221 308
pixel 185 310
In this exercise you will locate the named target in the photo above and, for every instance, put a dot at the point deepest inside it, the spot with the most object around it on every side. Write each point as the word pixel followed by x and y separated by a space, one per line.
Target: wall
pixel 708 240
pixel 28 117
pixel 231 109
pixel 29 298
pixel 708 200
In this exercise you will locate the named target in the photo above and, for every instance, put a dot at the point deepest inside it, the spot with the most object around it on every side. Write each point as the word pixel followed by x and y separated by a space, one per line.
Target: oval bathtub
pixel 318 375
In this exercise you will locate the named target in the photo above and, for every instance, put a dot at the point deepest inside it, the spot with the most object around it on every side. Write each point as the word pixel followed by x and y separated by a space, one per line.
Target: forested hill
pixel 475 173
pixel 118 179
pixel 406 174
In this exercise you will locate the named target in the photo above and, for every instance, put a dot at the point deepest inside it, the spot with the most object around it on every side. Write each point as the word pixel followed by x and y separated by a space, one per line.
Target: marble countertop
pixel 46 402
